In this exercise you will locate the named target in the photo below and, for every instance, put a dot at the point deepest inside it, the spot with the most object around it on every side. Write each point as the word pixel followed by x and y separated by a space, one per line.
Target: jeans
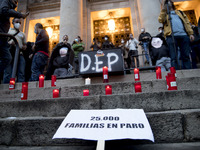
pixel 194 54
pixel 20 71
pixel 133 60
pixel 38 64
pixel 5 56
pixel 145 46
pixel 183 42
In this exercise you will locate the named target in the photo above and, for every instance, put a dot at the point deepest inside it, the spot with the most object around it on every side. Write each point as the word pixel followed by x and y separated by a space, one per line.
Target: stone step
pixel 168 127
pixel 95 80
pixel 150 102
pixel 164 146
pixel 99 89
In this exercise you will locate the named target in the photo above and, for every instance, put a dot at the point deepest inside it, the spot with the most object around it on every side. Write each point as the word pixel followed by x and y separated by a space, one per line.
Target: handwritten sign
pixel 105 125
pixel 92 62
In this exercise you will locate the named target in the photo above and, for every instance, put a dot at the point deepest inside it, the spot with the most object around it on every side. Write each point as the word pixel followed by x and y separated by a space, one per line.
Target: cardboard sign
pixel 92 62
pixel 105 125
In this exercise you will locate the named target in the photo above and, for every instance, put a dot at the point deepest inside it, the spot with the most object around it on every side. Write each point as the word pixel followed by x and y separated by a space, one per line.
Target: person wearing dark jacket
pixel 159 53
pixel 107 44
pixel 41 49
pixel 7 10
pixel 55 53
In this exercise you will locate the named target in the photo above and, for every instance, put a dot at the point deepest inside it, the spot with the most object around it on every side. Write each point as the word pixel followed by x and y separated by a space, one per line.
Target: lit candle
pixel 12 84
pixel 138 87
pixel 172 81
pixel 105 74
pixel 41 81
pixel 136 74
pixel 158 72
pixel 24 93
pixel 86 92
pixel 87 81
pixel 108 89
pixel 55 93
pixel 173 70
pixel 53 80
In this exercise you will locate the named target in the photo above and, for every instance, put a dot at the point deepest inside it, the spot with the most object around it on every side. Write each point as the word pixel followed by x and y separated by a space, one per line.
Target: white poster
pixel 105 125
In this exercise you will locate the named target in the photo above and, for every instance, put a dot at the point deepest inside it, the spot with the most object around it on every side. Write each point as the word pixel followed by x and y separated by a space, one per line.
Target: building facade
pixel 97 18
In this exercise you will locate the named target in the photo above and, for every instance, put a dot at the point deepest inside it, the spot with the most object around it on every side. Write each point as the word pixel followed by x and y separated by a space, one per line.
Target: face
pixel 156 42
pixel 17 23
pixel 142 30
pixel 131 36
pixel 65 38
pixel 36 30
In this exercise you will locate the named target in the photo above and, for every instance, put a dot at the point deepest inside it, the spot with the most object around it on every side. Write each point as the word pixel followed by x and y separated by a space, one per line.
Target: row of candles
pixel 170 78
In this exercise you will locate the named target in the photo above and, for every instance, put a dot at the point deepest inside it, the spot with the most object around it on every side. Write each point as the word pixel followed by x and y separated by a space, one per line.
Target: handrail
pixel 3 35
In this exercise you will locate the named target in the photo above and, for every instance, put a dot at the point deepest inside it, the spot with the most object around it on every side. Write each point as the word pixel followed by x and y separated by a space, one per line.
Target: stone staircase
pixel 174 116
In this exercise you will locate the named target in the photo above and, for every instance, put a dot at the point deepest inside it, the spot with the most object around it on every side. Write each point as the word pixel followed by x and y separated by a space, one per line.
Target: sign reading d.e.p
pixel 92 62
pixel 105 125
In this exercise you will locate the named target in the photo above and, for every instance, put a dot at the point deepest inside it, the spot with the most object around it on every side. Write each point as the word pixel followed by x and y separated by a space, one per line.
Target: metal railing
pixel 4 35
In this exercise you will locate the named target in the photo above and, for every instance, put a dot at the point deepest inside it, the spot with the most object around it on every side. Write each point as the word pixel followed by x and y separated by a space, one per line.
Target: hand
pixel 25 15
pixel 191 38
pixel 11 42
pixel 30 56
pixel 83 46
pixel 33 48
pixel 24 47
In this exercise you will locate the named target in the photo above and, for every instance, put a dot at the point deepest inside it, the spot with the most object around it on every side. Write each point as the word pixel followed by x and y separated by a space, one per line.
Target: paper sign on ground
pixel 105 125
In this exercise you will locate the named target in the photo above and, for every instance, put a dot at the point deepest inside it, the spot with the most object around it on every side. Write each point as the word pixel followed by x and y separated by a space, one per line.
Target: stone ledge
pixel 167 127
pixel 150 102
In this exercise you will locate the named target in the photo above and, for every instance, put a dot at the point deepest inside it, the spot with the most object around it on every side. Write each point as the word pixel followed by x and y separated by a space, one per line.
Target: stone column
pixel 149 11
pixel 71 19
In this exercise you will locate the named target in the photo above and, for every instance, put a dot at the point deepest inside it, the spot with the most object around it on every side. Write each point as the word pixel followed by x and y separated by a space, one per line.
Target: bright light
pixel 50 31
pixel 111 25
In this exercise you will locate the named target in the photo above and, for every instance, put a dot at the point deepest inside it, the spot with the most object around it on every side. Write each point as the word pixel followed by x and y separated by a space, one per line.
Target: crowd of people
pixel 177 43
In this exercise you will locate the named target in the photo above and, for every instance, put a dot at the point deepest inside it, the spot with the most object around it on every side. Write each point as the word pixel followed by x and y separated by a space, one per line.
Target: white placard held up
pixel 105 125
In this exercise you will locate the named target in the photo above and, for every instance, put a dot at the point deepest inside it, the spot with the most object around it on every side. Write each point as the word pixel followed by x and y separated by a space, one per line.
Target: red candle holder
pixel 173 70
pixel 24 93
pixel 86 92
pixel 167 80
pixel 108 89
pixel 172 81
pixel 55 93
pixel 53 80
pixel 41 81
pixel 136 74
pixel 12 84
pixel 158 72
pixel 138 87
pixel 105 74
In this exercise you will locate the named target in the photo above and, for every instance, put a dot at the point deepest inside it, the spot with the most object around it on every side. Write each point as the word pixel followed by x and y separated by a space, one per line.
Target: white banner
pixel 105 125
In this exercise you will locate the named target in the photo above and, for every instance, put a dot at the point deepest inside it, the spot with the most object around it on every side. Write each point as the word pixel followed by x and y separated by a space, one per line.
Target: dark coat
pixel 107 45
pixel 55 54
pixel 158 53
pixel 61 62
pixel 6 11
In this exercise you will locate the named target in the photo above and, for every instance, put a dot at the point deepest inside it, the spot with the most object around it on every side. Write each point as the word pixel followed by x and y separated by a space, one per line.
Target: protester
pixel 182 31
pixel 159 53
pixel 96 45
pixel 56 53
pixel 20 36
pixel 144 39
pixel 7 10
pixel 41 49
pixel 107 44
pixel 125 54
pixel 195 46
pixel 28 59
pixel 78 46
pixel 131 45
pixel 160 30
